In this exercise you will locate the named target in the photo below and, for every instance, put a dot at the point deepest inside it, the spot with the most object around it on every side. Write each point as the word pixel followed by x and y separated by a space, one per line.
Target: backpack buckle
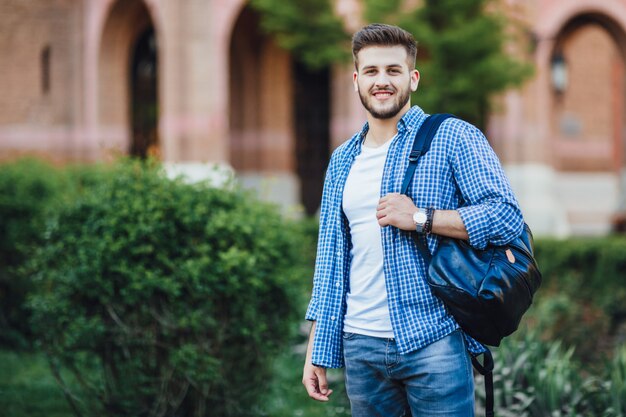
pixel 414 155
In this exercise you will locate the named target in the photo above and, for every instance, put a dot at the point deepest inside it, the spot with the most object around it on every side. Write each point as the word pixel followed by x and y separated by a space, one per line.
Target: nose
pixel 382 80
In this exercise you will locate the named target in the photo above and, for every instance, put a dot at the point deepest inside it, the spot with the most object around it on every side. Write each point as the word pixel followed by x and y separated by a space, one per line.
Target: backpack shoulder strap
pixel 421 145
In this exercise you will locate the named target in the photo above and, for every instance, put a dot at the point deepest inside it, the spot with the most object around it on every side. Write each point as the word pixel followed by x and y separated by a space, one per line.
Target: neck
pixel 381 130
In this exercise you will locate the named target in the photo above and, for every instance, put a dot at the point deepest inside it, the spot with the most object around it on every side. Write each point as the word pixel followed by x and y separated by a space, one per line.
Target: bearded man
pixel 371 308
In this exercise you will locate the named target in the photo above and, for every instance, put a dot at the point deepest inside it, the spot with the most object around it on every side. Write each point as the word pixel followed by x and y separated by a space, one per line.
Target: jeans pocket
pixel 349 335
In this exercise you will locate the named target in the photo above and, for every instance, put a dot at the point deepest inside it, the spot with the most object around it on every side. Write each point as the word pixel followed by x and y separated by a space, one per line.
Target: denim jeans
pixel 436 380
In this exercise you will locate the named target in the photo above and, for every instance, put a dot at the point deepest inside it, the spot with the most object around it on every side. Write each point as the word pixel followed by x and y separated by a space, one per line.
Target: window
pixel 45 69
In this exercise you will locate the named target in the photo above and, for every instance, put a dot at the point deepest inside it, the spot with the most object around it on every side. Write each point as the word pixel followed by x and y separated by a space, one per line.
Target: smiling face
pixel 384 80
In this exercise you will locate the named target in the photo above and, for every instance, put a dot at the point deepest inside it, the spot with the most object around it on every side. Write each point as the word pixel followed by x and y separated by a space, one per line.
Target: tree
pixel 307 28
pixel 463 57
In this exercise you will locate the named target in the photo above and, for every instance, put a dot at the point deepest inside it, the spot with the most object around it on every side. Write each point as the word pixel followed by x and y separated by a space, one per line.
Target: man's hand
pixel 315 382
pixel 397 210
pixel 314 377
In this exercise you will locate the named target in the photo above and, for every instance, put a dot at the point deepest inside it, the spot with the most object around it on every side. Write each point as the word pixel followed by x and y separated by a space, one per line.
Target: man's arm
pixel 397 210
pixel 314 377
pixel 490 213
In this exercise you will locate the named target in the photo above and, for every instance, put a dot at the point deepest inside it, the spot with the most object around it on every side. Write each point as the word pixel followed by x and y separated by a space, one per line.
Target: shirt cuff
pixel 311 311
pixel 477 227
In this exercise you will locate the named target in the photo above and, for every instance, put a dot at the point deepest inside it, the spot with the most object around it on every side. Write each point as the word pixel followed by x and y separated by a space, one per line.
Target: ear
pixel 355 78
pixel 415 79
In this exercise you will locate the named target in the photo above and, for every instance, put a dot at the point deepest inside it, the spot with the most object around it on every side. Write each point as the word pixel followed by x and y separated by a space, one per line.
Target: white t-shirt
pixel 367 308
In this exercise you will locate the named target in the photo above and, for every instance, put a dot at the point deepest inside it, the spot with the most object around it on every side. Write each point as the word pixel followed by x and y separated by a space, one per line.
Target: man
pixel 371 307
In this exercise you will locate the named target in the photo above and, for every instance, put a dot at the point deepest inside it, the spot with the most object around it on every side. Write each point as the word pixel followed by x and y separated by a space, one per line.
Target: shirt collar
pixel 407 122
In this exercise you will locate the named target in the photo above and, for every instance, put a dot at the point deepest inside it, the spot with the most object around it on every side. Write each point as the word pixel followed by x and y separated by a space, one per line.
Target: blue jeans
pixel 436 380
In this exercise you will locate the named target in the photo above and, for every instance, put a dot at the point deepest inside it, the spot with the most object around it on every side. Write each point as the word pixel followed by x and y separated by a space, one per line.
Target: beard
pixel 401 98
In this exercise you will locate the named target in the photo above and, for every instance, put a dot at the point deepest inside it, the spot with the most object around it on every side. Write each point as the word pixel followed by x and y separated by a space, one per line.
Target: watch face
pixel 419 217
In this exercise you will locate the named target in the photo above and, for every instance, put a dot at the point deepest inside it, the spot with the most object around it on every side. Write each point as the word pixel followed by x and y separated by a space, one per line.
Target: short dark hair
pixel 380 34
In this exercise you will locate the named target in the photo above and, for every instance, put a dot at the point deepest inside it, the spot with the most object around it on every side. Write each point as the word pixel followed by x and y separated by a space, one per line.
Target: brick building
pixel 197 81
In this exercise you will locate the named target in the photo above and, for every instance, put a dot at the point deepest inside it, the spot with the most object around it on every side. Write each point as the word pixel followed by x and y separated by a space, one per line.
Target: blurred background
pixel 224 81
pixel 120 287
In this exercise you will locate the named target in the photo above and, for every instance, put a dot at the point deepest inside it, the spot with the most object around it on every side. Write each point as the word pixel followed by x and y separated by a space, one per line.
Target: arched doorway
pixel 143 86
pixel 588 114
pixel 587 123
pixel 312 118
pixel 128 80
pixel 278 116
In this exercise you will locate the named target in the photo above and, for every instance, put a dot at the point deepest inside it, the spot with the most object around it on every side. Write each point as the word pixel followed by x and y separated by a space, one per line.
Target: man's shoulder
pixel 456 124
pixel 345 148
pixel 454 129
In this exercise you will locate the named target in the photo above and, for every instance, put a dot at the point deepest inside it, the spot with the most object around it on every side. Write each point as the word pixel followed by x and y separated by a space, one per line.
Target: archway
pixel 128 80
pixel 588 120
pixel 143 85
pixel 588 115
pixel 279 116
pixel 312 125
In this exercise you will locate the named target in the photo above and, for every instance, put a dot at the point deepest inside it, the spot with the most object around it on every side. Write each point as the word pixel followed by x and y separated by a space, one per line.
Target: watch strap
pixel 428 226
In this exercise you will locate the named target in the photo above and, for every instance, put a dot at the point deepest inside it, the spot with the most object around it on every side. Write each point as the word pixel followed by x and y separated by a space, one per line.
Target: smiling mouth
pixel 383 94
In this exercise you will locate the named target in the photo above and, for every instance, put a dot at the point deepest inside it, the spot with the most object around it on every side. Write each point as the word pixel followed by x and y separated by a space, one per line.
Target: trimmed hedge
pixel 30 191
pixel 592 269
pixel 165 298
pixel 31 194
pixel 582 300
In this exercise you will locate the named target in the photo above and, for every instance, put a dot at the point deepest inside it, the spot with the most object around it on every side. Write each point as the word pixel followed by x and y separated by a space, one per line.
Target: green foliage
pixel 592 269
pixel 575 319
pixel 536 379
pixel 308 28
pixel 29 192
pixel 165 298
pixel 382 11
pixel 288 397
pixel 462 58
pixel 28 389
pixel 617 382
pixel 582 300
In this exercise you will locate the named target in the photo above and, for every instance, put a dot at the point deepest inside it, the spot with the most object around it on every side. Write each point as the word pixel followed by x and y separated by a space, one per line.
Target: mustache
pixel 382 90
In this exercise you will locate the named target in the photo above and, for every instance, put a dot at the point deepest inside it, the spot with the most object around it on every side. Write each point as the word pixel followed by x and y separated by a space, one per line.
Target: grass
pixel 28 389
pixel 288 398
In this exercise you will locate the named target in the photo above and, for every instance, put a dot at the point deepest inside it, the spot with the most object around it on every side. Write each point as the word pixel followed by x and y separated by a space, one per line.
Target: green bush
pixel 165 298
pixel 591 269
pixel 582 300
pixel 29 193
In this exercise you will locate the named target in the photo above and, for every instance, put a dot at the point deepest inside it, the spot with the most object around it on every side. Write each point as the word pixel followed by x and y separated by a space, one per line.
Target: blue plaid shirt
pixel 460 171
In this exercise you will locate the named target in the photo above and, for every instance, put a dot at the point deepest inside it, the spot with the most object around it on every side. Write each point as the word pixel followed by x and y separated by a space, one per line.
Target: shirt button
pixel 332 318
pixel 339 253
pixel 338 284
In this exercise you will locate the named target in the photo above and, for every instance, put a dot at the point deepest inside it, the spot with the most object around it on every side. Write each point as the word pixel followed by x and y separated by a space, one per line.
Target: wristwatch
pixel 423 219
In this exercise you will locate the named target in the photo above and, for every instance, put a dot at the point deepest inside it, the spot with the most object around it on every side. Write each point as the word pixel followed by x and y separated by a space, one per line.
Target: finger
pixel 313 391
pixel 322 381
pixel 311 385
